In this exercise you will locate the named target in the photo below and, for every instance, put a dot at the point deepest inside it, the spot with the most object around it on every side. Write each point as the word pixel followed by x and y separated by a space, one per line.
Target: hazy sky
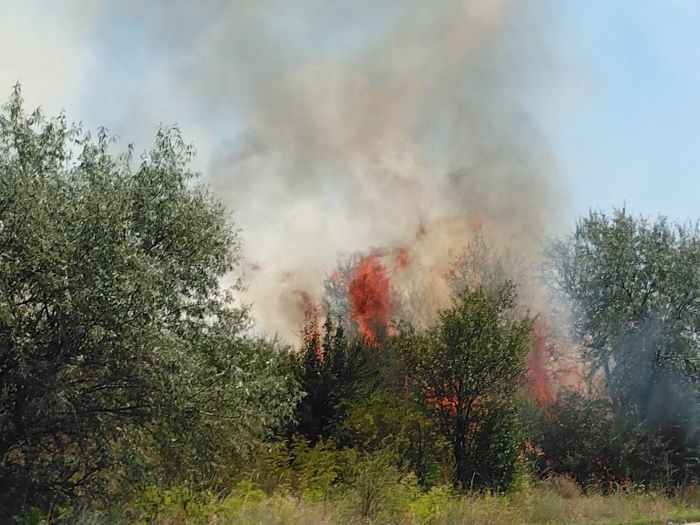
pixel 334 128
pixel 623 121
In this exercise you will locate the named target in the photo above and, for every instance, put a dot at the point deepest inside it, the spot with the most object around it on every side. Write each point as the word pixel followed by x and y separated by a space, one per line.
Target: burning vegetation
pixel 123 359
pixel 368 287
pixel 368 292
pixel 539 382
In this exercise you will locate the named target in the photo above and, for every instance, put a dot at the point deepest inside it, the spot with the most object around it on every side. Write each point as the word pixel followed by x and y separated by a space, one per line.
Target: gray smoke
pixel 359 124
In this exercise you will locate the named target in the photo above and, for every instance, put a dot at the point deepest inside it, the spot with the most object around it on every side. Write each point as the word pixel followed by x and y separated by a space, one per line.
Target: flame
pixel 451 270
pixel 305 303
pixel 311 333
pixel 475 224
pixel 368 292
pixel 537 359
pixel 401 257
pixel 448 403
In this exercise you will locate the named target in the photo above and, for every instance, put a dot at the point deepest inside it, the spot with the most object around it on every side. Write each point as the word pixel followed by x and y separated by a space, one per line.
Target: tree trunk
pixel 461 475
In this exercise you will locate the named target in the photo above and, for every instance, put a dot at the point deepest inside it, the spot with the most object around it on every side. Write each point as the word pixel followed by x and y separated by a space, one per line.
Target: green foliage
pixel 32 516
pixel 329 371
pixel 119 352
pixel 440 505
pixel 522 477
pixel 469 369
pixel 131 382
pixel 315 470
pixel 431 507
pixel 634 292
pixel 370 478
pixel 390 420
pixel 578 437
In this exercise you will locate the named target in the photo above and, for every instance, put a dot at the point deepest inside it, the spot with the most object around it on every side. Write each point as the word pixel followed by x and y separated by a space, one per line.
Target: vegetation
pixel 120 356
pixel 134 388
pixel 634 293
pixel 469 368
pixel 559 501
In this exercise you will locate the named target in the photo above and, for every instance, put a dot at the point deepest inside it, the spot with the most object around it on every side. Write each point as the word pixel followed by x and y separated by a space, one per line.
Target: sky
pixel 635 137
pixel 626 128
pixel 570 104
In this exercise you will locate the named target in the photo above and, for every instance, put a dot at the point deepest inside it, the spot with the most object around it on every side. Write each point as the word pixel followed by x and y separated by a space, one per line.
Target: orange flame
pixel 368 292
pixel 401 257
pixel 311 333
pixel 448 403
pixel 537 359
pixel 451 270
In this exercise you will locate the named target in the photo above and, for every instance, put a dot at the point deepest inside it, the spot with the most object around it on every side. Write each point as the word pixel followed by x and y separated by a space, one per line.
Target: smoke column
pixel 358 125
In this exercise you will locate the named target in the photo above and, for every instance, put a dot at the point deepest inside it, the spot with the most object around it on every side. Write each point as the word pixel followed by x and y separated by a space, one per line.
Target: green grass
pixel 404 505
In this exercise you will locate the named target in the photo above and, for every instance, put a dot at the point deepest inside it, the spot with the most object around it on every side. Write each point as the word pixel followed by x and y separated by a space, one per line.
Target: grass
pixel 404 505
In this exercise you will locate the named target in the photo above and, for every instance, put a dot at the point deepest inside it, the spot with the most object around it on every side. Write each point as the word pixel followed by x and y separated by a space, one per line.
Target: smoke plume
pixel 360 125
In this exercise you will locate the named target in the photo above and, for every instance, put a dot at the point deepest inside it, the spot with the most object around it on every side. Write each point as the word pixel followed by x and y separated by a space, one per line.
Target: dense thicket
pixel 330 372
pixel 633 291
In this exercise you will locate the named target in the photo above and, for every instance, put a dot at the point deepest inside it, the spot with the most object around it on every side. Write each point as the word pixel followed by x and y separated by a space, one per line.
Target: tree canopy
pixel 633 289
pixel 115 333
pixel 469 368
pixel 129 372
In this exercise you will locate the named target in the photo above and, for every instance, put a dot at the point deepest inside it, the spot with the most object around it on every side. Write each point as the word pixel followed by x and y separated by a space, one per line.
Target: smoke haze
pixel 332 128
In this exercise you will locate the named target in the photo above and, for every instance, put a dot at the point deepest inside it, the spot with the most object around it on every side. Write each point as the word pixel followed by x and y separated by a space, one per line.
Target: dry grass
pixel 550 507
pixel 555 502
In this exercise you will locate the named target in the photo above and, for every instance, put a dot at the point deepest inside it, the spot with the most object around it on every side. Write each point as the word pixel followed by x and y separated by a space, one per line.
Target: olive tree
pixel 633 289
pixel 117 341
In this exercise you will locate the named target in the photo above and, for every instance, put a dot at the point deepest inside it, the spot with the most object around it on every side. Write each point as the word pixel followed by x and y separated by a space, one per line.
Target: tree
pixel 469 368
pixel 115 335
pixel 330 368
pixel 633 288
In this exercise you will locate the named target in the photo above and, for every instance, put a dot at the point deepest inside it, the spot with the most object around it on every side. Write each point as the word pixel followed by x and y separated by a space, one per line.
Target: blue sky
pixel 635 135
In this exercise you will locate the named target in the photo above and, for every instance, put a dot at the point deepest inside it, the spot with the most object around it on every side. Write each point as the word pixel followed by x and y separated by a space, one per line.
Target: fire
pixel 445 402
pixel 304 301
pixel 537 359
pixel 451 270
pixel 311 333
pixel 368 292
pixel 401 257
pixel 475 225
